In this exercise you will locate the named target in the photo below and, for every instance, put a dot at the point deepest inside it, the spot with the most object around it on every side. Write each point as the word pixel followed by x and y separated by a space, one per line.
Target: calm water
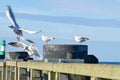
pixel 118 63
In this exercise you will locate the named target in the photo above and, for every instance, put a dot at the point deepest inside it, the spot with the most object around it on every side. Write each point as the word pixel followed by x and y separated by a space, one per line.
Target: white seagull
pixel 15 27
pixel 31 49
pixel 80 39
pixel 46 38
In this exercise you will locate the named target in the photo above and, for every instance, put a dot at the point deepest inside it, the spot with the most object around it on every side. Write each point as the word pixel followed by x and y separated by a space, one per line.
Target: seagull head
pixel 8 7
pixel 53 38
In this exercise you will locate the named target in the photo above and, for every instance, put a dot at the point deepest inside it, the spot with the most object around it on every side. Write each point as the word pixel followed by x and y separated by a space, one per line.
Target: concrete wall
pixel 65 51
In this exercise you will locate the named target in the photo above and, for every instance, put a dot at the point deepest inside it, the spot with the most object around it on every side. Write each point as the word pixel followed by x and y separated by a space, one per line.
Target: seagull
pixel 15 27
pixel 31 49
pixel 46 38
pixel 80 39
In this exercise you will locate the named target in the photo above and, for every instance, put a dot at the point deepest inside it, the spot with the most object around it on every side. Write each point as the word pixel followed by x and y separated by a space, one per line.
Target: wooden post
pixel 10 72
pixel 6 72
pixel 31 74
pixel 51 75
pixel 15 73
pixel 18 73
pixel 56 76
pixel 28 74
pixel 2 72
pixel 93 78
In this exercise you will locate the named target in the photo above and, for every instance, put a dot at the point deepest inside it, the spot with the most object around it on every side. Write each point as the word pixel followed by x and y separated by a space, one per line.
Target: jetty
pixel 11 70
pixel 60 62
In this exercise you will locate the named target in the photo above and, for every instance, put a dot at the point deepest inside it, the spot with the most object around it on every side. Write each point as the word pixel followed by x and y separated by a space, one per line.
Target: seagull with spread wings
pixel 15 27
pixel 31 49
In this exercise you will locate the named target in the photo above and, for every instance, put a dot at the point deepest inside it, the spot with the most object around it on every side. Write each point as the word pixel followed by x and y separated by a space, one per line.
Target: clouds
pixel 78 12
pixel 96 7
pixel 76 8
pixel 69 7
pixel 72 20
pixel 92 22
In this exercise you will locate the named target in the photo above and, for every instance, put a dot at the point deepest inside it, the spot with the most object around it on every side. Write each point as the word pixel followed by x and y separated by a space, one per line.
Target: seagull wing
pixel 32 47
pixel 34 50
pixel 10 15
pixel 18 44
pixel 36 54
pixel 85 38
pixel 30 32
pixel 30 41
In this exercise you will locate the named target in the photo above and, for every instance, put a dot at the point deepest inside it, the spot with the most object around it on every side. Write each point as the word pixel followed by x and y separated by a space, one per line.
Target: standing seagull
pixel 15 27
pixel 46 38
pixel 80 39
pixel 31 49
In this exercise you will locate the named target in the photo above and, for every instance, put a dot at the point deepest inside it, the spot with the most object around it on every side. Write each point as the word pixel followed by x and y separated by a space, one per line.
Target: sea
pixel 114 63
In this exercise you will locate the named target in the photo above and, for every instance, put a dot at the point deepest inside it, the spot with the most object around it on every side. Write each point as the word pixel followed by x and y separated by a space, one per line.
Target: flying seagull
pixel 31 48
pixel 80 39
pixel 46 38
pixel 15 27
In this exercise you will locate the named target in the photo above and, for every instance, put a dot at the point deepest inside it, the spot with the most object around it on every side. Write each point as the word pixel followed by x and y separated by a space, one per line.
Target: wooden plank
pixel 96 70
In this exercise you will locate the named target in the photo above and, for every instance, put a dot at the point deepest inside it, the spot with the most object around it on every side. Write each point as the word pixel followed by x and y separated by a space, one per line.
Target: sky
pixel 99 20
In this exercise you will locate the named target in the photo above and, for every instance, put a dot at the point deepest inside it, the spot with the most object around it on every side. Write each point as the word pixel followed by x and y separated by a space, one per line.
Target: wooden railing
pixel 11 70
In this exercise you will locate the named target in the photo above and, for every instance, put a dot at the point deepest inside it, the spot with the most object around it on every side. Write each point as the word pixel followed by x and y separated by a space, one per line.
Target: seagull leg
pixel 18 38
pixel 80 43
pixel 27 57
pixel 46 42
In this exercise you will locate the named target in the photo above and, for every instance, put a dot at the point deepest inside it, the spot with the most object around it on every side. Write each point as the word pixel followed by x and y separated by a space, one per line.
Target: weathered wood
pixel 54 69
